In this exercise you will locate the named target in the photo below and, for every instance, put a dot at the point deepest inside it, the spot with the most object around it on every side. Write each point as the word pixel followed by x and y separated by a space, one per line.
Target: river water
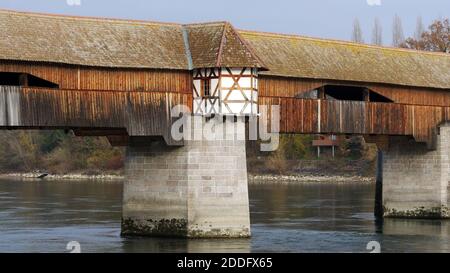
pixel 43 216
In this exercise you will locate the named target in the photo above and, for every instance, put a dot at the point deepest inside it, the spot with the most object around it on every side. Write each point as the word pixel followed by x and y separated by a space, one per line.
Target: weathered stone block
pixel 198 190
pixel 416 179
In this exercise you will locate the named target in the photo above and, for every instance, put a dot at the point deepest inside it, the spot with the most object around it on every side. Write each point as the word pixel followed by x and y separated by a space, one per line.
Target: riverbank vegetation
pixel 59 152
pixel 297 156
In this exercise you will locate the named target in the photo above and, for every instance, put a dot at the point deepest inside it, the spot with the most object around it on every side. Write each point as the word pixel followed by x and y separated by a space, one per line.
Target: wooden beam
pixel 23 79
pixel 321 93
pixel 382 141
pixel 118 141
pixel 100 132
pixel 366 95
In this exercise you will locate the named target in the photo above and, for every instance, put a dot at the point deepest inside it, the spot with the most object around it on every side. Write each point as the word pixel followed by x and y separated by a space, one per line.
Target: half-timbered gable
pixel 225 70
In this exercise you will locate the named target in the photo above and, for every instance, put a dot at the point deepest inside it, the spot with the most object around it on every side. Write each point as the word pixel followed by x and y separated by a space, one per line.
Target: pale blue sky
pixel 317 18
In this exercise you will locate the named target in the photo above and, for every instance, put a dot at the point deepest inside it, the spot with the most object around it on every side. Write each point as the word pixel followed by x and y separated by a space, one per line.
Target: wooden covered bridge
pixel 120 79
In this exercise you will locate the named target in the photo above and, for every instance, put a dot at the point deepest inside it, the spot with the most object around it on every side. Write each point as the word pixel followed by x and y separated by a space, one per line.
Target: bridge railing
pixel 148 113
pixel 140 113
pixel 355 117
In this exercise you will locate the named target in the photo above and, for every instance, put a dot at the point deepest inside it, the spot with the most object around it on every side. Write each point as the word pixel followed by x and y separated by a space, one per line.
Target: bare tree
pixel 420 29
pixel 377 33
pixel 357 35
pixel 436 38
pixel 397 32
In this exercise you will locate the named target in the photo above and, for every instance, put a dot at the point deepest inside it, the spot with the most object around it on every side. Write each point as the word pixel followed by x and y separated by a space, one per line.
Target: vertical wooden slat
pixel 356 117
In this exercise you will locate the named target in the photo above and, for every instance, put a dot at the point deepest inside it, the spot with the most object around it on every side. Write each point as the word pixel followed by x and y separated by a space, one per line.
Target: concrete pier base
pixel 195 191
pixel 416 179
pixel 378 208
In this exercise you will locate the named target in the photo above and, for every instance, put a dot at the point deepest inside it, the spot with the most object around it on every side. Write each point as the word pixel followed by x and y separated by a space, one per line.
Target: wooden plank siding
pixel 411 95
pixel 147 113
pixel 97 78
pixel 139 113
pixel 138 100
pixel 290 87
pixel 285 87
pixel 310 116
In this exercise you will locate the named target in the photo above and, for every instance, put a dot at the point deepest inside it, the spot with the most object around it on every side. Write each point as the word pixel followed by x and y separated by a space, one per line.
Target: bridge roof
pixel 304 57
pixel 90 41
pixel 220 45
pixel 141 44
pixel 121 43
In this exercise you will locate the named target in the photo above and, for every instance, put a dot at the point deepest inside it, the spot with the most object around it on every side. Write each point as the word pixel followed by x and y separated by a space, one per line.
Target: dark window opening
pixel 21 79
pixel 354 93
pixel 206 87
pixel 9 79
pixel 341 92
pixel 375 97
pixel 38 82
pixel 344 92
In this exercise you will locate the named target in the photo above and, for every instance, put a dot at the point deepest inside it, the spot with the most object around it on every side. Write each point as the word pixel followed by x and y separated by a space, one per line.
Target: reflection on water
pixel 43 216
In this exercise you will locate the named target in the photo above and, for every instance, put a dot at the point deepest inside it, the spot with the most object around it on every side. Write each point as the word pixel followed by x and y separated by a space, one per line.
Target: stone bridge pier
pixel 196 190
pixel 416 179
pixel 200 189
